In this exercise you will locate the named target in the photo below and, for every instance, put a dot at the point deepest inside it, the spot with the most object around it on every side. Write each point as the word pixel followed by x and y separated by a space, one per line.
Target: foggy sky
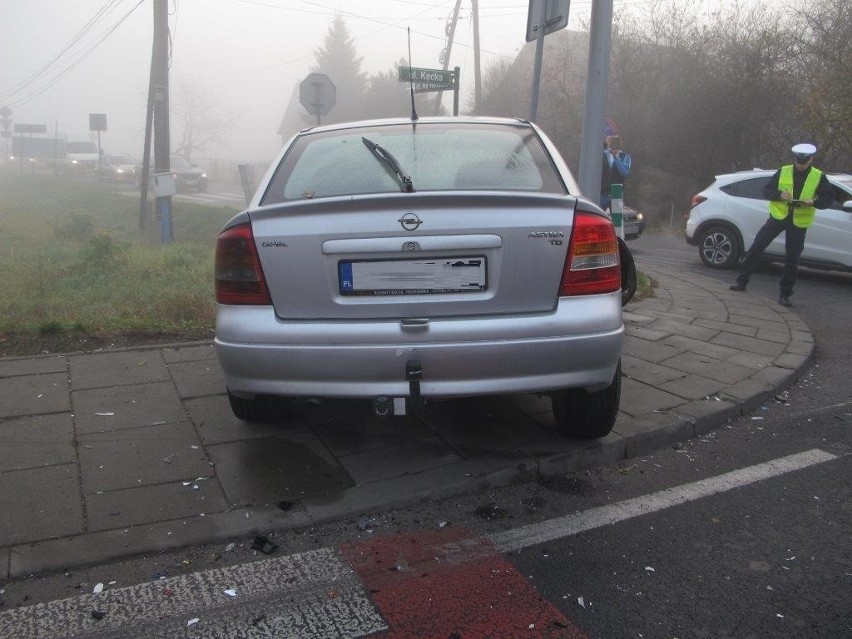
pixel 249 54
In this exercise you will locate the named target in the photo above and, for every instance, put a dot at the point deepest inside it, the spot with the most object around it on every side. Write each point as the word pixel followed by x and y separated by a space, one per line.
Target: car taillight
pixel 239 275
pixel 696 200
pixel 592 265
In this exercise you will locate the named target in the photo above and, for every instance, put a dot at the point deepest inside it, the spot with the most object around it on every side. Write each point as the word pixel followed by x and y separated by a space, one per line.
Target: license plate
pixel 413 277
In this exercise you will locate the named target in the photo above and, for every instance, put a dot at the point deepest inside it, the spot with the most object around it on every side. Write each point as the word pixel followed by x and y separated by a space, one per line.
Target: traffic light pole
pixel 591 148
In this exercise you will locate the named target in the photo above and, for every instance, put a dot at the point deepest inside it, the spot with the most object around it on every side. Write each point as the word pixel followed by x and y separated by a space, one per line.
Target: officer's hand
pixel 786 196
pixel 808 202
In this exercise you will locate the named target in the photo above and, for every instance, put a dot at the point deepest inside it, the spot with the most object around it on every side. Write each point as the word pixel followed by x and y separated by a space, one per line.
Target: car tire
pixel 582 415
pixel 719 247
pixel 256 410
pixel 628 272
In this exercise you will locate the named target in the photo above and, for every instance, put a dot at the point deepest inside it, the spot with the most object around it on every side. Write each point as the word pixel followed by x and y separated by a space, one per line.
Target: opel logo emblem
pixel 410 221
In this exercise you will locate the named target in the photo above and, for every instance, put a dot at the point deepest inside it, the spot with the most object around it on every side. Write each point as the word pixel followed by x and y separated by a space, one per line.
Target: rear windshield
pixel 437 157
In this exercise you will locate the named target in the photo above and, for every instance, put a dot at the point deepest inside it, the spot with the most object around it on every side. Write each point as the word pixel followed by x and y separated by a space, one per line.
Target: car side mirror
pixel 847 206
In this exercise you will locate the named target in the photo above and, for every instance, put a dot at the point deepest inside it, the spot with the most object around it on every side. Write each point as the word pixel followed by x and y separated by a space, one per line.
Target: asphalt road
pixel 772 558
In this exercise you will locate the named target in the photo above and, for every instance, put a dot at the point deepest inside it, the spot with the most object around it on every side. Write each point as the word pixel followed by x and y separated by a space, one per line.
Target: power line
pixel 100 14
pixel 7 96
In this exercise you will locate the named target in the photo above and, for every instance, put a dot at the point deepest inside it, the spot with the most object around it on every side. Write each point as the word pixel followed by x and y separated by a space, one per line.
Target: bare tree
pixel 198 118
pixel 821 80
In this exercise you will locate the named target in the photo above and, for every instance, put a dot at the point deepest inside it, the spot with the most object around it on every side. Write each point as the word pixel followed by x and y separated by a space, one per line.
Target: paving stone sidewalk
pixel 115 453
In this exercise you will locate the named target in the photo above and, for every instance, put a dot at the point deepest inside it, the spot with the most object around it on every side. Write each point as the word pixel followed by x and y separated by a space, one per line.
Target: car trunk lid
pixel 414 255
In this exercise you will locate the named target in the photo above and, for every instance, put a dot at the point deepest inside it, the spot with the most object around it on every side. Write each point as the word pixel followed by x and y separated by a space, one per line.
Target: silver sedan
pixel 404 260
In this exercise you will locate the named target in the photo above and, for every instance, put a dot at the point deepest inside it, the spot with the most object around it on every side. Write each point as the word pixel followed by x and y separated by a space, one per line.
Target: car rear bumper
pixel 633 230
pixel 577 345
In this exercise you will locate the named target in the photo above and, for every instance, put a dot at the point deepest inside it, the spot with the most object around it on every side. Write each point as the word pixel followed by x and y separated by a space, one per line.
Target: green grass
pixel 77 271
pixel 645 286
pixel 73 260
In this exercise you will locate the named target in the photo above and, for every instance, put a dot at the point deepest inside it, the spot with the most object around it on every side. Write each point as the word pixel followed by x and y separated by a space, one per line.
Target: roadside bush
pixel 74 226
pixel 101 252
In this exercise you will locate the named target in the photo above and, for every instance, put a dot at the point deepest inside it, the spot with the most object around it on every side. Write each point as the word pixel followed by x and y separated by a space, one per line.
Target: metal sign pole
pixel 591 146
pixel 539 53
pixel 456 72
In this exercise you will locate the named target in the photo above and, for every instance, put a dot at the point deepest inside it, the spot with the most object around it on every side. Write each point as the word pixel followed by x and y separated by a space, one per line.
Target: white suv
pixel 725 217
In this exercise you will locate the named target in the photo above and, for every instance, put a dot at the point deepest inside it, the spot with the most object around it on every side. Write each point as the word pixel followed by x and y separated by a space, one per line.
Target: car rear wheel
pixel 583 415
pixel 628 272
pixel 719 247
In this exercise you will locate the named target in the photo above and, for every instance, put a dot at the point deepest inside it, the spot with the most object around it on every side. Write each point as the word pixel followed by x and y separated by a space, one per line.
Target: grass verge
pixel 78 273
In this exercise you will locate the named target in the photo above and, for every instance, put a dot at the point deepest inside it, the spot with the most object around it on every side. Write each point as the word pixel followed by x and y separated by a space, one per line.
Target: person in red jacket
pixel 794 193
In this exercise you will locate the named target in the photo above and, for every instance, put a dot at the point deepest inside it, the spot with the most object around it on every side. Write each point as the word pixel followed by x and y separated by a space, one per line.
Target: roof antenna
pixel 411 79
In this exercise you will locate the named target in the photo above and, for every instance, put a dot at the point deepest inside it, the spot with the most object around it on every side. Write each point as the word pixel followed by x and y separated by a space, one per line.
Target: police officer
pixel 794 193
pixel 614 168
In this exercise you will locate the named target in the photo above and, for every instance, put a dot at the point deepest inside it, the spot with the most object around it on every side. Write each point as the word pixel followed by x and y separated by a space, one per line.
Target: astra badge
pixel 546 234
pixel 410 221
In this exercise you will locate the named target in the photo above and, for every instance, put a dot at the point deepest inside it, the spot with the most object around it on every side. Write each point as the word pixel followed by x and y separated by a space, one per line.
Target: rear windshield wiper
pixel 387 158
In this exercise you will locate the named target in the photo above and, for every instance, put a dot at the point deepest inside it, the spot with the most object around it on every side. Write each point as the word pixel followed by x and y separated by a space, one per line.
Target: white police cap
pixel 804 149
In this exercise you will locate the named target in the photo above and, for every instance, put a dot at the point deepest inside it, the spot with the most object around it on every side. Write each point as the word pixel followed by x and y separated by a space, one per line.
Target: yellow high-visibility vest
pixel 803 216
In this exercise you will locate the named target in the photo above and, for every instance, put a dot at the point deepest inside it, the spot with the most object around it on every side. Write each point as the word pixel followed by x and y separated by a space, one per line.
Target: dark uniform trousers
pixel 794 244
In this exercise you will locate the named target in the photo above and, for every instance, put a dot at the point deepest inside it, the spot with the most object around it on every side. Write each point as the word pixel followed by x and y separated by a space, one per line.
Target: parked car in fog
pixel 405 260
pixel 725 217
pixel 118 167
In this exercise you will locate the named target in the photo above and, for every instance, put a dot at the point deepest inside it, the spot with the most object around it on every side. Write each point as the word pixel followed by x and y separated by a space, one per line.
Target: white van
pixel 81 155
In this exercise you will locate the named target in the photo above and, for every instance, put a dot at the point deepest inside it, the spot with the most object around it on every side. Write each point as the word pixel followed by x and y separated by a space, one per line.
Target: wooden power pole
pixel 157 118
pixel 445 54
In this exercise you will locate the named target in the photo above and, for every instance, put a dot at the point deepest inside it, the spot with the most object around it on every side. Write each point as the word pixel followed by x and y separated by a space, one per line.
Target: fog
pixel 245 57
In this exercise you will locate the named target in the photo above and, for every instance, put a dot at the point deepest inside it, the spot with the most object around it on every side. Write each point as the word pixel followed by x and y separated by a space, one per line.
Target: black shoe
pixel 785 300
pixel 739 286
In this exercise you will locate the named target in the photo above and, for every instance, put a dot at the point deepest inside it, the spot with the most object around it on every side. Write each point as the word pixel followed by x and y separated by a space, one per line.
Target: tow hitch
pixel 398 406
pixel 414 373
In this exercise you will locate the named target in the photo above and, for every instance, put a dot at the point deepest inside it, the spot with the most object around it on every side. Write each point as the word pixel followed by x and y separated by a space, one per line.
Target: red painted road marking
pixel 449 584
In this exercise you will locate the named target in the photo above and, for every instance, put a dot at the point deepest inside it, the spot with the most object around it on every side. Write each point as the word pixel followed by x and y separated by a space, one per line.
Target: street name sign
pixel 427 79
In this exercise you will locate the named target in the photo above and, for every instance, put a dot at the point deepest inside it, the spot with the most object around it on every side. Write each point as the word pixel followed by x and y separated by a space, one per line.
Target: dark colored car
pixel 634 223
pixel 187 176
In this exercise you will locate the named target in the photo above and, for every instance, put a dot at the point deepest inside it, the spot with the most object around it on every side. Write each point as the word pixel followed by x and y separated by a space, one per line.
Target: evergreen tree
pixel 338 59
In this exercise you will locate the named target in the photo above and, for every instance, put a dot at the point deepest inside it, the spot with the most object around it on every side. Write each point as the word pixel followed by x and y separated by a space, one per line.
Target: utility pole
pixel 591 148
pixel 445 54
pixel 162 143
pixel 477 76
pixel 157 118
pixel 146 153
